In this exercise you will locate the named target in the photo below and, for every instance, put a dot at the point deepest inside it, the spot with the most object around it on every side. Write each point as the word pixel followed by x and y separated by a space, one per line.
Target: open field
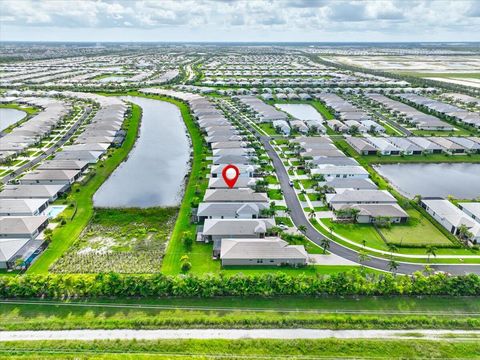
pixel 252 312
pixel 120 240
pixel 241 349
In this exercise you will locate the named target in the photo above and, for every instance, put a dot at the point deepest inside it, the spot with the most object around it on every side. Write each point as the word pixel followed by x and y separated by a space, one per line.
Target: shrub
pixel 147 285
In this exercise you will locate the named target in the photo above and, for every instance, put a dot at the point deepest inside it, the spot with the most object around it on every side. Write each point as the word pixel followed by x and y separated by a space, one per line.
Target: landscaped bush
pixel 158 285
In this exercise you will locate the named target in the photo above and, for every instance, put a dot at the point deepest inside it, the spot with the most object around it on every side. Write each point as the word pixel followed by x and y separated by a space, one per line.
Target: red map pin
pixel 230 174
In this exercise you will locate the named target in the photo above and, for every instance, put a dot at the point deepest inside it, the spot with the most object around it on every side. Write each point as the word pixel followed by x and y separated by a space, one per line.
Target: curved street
pixel 298 217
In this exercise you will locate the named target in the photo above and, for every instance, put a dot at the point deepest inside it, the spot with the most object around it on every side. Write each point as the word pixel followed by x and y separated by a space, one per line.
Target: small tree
pixel 393 266
pixel 431 251
pixel 325 244
pixel 363 257
pixel 302 228
pixel 187 241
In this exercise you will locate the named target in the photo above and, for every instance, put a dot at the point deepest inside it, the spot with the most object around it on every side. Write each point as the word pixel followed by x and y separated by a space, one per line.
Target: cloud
pixel 298 18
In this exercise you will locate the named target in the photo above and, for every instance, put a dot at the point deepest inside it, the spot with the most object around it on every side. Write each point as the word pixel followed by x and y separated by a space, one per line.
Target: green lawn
pixel 417 231
pixel 243 349
pixel 268 128
pixel 81 195
pixel 358 233
pixel 240 312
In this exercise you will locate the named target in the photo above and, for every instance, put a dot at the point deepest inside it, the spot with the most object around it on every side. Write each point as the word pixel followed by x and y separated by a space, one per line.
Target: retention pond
pixel 154 173
pixel 461 180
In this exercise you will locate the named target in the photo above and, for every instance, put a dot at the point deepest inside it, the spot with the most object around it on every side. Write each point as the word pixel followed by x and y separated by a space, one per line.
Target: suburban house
pixel 448 145
pixel 330 172
pixel 268 251
pixel 245 170
pixel 352 197
pixel 472 209
pixel 361 146
pixel 349 183
pixel 22 207
pixel 214 230
pixel 47 177
pixel 383 146
pixel 242 182
pixel 89 156
pixel 426 145
pixel 407 147
pixel 21 227
pixel 49 192
pixel 230 210
pixel 370 213
pixel 234 195
pixel 282 126
pixel 25 249
pixel 63 165
pixel 451 217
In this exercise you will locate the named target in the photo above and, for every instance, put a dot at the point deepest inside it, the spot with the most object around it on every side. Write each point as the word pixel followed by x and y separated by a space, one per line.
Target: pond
pixel 461 180
pixel 9 117
pixel 153 174
pixel 301 111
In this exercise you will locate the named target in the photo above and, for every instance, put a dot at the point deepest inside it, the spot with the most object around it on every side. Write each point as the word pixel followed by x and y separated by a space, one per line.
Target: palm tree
pixel 364 243
pixel 393 266
pixel 392 248
pixel 431 251
pixel 311 214
pixel 325 244
pixel 464 232
pixel 363 257
pixel 302 228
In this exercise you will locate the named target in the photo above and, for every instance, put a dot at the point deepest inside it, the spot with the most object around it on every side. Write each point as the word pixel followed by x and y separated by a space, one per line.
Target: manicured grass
pixel 358 233
pixel 284 220
pixel 64 236
pixel 417 231
pixel 268 128
pixel 430 158
pixel 243 349
pixel 275 194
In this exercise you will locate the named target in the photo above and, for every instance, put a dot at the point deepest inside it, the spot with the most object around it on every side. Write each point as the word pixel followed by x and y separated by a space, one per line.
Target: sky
pixel 240 20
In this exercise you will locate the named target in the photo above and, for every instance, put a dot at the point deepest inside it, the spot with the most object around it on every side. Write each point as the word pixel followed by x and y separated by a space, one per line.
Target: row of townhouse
pixel 280 120
pixel 453 218
pixel 414 145
pixel 439 108
pixel 26 205
pixel 37 127
pixel 234 219
pixel 348 116
pixel 348 183
pixel 410 115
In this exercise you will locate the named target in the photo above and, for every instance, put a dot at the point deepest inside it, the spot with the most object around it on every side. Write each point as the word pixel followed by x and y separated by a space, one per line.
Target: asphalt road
pixel 299 218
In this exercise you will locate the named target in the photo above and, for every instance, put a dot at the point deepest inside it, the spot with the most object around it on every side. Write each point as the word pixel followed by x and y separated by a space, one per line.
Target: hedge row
pixel 158 285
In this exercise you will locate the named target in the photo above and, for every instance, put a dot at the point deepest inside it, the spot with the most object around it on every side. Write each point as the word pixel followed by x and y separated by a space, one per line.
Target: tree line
pixel 351 283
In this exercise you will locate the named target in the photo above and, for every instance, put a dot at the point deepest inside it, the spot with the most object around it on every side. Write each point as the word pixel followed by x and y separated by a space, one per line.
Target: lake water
pixel 9 117
pixel 300 111
pixel 460 180
pixel 153 174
